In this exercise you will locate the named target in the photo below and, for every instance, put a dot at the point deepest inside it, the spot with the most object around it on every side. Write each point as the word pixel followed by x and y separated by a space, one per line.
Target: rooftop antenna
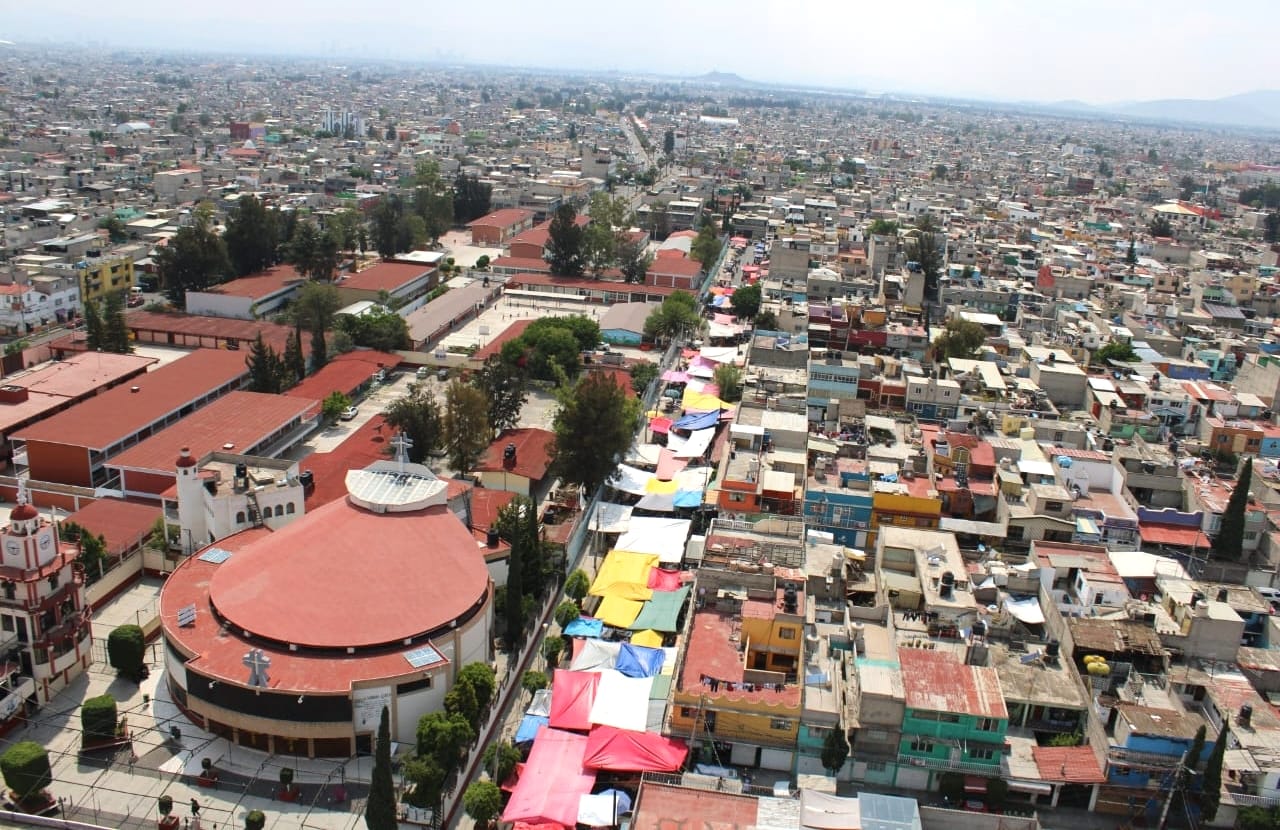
pixel 402 444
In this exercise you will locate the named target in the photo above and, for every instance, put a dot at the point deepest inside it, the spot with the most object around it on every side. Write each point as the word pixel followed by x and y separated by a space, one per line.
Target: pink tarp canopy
pixel 724 319
pixel 660 580
pixel 660 426
pixel 553 780
pixel 668 464
pixel 750 269
pixel 621 750
pixel 673 376
pixel 572 695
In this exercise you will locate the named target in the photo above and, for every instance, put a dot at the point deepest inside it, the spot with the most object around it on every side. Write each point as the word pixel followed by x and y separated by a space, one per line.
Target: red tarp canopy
pixel 660 580
pixel 621 750
pixel 572 695
pixel 553 780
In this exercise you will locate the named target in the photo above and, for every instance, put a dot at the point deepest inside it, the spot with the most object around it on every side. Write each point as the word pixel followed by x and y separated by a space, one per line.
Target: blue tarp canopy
pixel 696 422
pixel 688 498
pixel 529 727
pixel 639 661
pixel 585 627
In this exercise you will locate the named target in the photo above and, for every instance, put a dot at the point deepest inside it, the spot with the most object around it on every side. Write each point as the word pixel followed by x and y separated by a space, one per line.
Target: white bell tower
pixel 191 514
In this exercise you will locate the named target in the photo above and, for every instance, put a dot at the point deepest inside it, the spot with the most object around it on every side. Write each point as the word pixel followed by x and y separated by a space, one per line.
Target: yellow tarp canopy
pixel 661 488
pixel 625 575
pixel 701 401
pixel 648 638
pixel 618 612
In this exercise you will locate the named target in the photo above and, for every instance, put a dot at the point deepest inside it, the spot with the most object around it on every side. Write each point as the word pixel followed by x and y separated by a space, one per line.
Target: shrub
pixel 98 718
pixel 552 646
pixel 166 804
pixel 286 777
pixel 482 801
pixel 126 648
pixel 255 820
pixel 25 766
pixel 566 612
pixel 533 681
pixel 577 585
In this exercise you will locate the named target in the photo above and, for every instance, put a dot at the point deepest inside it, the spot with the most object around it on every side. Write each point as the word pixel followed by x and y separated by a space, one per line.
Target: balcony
pixel 948 764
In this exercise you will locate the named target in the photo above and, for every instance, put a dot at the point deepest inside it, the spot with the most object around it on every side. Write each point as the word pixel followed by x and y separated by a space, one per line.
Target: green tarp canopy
pixel 660 612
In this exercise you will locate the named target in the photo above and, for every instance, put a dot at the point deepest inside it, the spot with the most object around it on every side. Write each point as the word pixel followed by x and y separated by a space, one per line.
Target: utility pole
pixel 1175 786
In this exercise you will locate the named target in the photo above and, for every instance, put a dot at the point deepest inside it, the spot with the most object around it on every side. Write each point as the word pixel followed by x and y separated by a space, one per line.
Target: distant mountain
pixel 725 79
pixel 1248 109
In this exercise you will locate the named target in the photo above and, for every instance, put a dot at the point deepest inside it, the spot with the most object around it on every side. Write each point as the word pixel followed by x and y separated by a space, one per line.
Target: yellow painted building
pixel 103 276
pixel 904 504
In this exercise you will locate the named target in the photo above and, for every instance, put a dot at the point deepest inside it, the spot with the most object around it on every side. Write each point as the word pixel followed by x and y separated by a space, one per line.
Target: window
pixel 239 517
pixel 687 711
pixel 6 622
pixel 1053 506
pixel 53 582
pixel 981 754
pixel 921 745
pixel 787 633
pixel 780 724
pixel 288 508
pixel 987 724
pixel 876 766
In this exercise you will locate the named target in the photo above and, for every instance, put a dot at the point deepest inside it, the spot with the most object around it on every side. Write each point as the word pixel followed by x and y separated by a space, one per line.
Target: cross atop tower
pixel 402 444
pixel 257 663
pixel 23 497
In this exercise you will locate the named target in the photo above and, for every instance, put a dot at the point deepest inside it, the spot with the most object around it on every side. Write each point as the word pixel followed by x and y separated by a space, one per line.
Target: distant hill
pixel 724 79
pixel 1248 109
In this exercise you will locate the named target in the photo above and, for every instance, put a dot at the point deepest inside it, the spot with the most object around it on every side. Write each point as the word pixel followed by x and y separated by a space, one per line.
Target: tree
pixel 882 227
pixel 98 718
pixel 1131 255
pixel 417 417
pixel 960 338
pixel 928 253
pixel 295 363
pixel 940 172
pixel 94 333
pixel 115 228
pixel 552 647
pixel 460 701
pixel 314 310
pixel 251 237
pixel 126 648
pixel 1229 543
pixel 482 801
pixel 1187 187
pixel 577 585
pixel 1160 226
pixel 513 614
pixel 835 750
pixel 518 524
pixel 594 424
pixel 334 404
pixel 466 426
pixel 633 260
pixel 669 142
pixel 25 767
pixel 643 374
pixel 1211 791
pixel 500 760
pixel 766 321
pixel 443 738
pixel 115 331
pixel 565 613
pixel 677 315
pixel 256 820
pixel 266 368
pixel 705 247
pixel 193 259
pixel 385 220
pixel 471 198
pixel 378 328
pixel 503 385
pixel 482 680
pixel 1120 350
pixel 534 682
pixel 1271 228
pixel 92 556
pixel 659 221
pixel 729 380
pixel 1197 748
pixel 566 243
pixel 745 301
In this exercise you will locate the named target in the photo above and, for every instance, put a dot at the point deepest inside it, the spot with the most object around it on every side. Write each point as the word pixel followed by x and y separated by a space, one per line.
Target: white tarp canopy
pixel 1033 466
pixel 602 810
pixel 541 704
pixel 611 518
pixel 658 502
pixel 596 655
pixel 700 370
pixel 828 812
pixel 719 354
pixel 657 535
pixel 645 454
pixel 1026 610
pixel 696 445
pixel 621 701
pixel 630 480
pixel 722 330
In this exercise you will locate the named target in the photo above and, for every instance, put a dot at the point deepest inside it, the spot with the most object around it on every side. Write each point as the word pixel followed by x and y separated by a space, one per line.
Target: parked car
pixel 349 413
pixel 423 372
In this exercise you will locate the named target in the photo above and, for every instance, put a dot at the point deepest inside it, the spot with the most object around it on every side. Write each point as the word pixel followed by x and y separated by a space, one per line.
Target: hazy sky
pixel 1098 51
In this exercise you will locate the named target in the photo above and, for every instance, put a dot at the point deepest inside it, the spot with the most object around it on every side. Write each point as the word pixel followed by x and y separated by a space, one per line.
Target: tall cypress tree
pixel 380 810
pixel 1212 792
pixel 93 326
pixel 513 612
pixel 1229 543
pixel 115 332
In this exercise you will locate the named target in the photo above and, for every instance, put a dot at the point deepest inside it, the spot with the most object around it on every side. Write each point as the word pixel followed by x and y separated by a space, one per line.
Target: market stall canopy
pixel 661 613
pixel 553 780
pixel 596 655
pixel 657 535
pixel 573 693
pixel 622 750
pixel 610 517
pixel 638 661
pixel 625 573
pixel 589 627
pixel 621 701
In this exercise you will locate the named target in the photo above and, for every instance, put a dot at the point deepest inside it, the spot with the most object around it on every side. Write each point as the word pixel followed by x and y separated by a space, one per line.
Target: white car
pixel 349 413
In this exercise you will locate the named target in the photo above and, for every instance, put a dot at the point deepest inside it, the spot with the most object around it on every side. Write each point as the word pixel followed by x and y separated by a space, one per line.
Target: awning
pixel 1032 787
pixel 975 784
pixel 622 750
pixel 603 809
pixel 529 727
pixel 707 420
pixel 611 518
pixel 573 693
pixel 648 638
pixel 589 627
pixel 621 701
pixel 1086 526
pixel 696 446
pixel 619 613
pixel 627 479
pixel 624 574
pixel 1026 610
pixel 639 661
pixel 595 655
pixel 553 780
pixel 662 537
pixel 661 612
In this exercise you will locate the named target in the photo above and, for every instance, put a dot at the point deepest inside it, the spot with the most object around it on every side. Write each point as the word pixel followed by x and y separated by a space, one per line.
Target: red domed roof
pixel 23 513
pixel 185 458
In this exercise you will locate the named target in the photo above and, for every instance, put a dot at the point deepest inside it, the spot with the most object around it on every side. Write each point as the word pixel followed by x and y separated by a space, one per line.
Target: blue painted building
pixel 1145 739
pixel 839 501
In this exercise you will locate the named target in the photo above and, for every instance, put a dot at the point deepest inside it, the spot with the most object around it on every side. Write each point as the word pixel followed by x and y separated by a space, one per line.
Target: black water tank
pixel 491 538
pixel 242 470
pixel 1052 648
pixel 1246 714
pixel 307 479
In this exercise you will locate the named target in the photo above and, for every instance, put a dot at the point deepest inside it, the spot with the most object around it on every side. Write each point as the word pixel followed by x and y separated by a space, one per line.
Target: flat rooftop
pixel 1036 682
pixel 238 423
pixel 107 418
pixel 713 652
pixel 62 382
pixel 260 285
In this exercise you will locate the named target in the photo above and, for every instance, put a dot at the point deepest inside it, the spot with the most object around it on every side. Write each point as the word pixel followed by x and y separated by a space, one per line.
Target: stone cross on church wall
pixel 257 663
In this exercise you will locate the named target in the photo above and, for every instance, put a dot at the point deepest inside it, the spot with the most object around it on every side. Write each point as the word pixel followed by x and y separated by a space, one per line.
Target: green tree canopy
pixel 251 236
pixel 417 417
pixel 379 328
pixel 471 198
pixel 483 682
pixel 566 243
pixel 115 330
pixel 594 423
pixel 126 648
pixel 728 378
pixel 1228 544
pixel 503 385
pixel 566 612
pixel 98 718
pixel 960 338
pixel 706 246
pixel 482 801
pixel 577 585
pixel 1160 226
pixel 746 301
pixel 266 368
pixel 25 766
pixel 835 750
pixel 642 374
pixel 534 681
pixel 466 426
pixel 333 405
pixel 882 227
pixel 194 259
pixel 678 314
pixel 1120 350
pixel 444 737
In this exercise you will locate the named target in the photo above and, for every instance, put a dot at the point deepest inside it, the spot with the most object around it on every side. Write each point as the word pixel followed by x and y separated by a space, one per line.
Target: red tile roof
pixel 124 523
pixel 533 453
pixel 504 218
pixel 62 382
pixel 197 325
pixel 937 681
pixel 494 346
pixel 521 280
pixel 485 504
pixel 241 419
pixel 1174 535
pixel 260 285
pixel 294 585
pixel 343 373
pixel 386 276
pixel 662 807
pixel 675 267
pixel 1068 764
pixel 522 263
pixel 104 419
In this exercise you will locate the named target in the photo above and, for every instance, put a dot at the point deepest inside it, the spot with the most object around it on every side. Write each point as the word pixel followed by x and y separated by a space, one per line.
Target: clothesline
pixel 714 684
